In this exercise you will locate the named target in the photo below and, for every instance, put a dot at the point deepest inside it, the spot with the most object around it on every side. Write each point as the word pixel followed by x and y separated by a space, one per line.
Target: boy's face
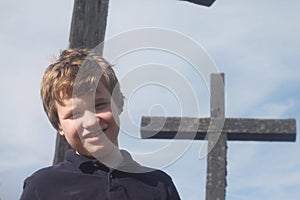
pixel 90 125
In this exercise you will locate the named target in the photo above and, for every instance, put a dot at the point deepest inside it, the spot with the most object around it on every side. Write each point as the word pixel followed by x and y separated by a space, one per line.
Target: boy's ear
pixel 61 132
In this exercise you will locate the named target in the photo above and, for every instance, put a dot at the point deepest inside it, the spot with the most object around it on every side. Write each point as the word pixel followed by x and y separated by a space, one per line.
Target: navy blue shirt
pixel 79 177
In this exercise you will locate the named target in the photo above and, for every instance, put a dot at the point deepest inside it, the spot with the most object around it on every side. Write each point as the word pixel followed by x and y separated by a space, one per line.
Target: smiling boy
pixel 82 99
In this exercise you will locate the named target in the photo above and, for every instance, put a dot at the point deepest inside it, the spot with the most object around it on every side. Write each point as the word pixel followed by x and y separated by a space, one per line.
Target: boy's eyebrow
pixel 70 112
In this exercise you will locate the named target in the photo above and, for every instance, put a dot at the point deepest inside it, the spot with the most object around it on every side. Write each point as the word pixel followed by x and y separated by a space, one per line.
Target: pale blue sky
pixel 255 43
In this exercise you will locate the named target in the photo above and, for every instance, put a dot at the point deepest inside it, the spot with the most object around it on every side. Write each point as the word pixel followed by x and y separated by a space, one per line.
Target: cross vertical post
pixel 217 143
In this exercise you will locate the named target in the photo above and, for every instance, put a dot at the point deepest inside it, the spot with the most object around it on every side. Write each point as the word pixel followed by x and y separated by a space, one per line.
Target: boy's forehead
pixel 100 93
pixel 71 102
pixel 68 96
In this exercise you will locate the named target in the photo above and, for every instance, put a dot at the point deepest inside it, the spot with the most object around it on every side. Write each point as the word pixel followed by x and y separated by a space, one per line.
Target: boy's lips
pixel 93 134
pixel 92 138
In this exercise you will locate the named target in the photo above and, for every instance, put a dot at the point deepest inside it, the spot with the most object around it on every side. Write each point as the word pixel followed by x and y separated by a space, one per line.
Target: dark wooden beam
pixel 61 146
pixel 201 2
pixel 88 23
pixel 236 128
pixel 216 172
pixel 87 31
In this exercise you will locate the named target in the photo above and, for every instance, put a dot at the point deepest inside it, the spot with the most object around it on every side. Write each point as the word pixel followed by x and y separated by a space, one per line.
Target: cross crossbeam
pixel 235 128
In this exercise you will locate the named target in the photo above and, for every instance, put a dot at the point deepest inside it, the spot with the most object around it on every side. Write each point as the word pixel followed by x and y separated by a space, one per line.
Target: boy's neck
pixel 111 160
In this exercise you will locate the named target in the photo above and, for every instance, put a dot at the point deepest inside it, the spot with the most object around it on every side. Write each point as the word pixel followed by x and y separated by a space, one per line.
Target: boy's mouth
pixel 93 133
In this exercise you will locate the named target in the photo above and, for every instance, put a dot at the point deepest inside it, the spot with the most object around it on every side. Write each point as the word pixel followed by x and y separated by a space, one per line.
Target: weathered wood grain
pixel 88 23
pixel 235 128
pixel 217 144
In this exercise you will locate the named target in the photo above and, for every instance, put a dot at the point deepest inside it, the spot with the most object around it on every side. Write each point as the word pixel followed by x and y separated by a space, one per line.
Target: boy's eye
pixel 101 105
pixel 75 115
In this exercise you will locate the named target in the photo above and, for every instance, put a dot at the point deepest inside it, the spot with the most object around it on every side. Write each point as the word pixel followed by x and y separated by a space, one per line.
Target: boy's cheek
pixel 60 130
pixel 69 128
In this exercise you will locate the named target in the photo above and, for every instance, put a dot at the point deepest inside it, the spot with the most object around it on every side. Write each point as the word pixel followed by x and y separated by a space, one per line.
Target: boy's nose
pixel 90 121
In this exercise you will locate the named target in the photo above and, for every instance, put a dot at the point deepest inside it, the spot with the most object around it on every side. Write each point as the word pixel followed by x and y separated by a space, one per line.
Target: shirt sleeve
pixel 173 193
pixel 29 190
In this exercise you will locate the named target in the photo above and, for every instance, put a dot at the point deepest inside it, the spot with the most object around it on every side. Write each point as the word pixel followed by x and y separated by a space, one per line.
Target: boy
pixel 82 99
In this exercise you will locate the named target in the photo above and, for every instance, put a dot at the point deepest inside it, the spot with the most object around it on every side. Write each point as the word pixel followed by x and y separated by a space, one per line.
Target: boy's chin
pixel 100 152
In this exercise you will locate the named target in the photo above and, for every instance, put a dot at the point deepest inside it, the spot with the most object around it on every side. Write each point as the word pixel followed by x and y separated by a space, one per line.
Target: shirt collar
pixel 90 165
pixel 83 163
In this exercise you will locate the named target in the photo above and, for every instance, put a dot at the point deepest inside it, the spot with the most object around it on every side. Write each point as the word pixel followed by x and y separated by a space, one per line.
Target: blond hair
pixel 77 72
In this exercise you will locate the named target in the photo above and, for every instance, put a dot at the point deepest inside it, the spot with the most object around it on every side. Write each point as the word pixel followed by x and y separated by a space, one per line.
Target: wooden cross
pixel 208 128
